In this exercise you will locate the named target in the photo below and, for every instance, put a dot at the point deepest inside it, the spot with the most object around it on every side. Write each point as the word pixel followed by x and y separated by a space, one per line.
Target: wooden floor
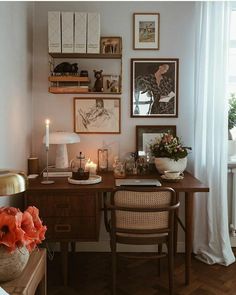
pixel 90 274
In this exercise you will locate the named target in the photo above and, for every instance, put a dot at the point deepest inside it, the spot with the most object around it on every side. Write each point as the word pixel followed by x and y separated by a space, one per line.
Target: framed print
pixel 111 83
pixel 96 115
pixel 146 31
pixel 110 45
pixel 154 87
pixel 146 134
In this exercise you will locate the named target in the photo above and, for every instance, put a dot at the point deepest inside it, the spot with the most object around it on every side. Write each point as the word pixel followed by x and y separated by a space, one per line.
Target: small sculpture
pixel 66 67
pixel 98 85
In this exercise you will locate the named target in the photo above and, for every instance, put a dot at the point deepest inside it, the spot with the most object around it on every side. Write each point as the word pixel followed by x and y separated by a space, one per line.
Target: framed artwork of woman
pixel 154 87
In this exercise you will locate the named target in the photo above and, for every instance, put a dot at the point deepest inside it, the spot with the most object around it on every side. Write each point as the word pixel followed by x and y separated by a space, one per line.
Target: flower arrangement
pixel 169 146
pixel 18 229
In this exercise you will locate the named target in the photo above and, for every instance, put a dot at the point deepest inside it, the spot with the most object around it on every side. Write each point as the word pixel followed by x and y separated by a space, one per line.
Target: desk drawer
pixel 52 205
pixel 72 228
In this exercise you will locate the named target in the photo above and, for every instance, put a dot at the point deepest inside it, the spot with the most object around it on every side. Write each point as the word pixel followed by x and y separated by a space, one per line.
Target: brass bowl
pixel 12 182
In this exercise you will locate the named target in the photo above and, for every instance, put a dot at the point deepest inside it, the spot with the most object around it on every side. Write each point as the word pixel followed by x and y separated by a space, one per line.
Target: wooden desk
pixel 48 199
pixel 33 276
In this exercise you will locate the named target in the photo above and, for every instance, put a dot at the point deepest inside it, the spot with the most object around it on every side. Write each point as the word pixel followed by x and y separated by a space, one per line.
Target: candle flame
pixel 47 121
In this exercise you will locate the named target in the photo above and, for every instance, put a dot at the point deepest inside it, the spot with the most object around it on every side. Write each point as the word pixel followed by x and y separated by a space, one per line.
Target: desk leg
pixel 188 234
pixel 64 260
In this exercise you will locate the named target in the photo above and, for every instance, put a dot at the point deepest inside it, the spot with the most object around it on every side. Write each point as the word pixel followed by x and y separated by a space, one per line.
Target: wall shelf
pixel 68 79
pixel 86 55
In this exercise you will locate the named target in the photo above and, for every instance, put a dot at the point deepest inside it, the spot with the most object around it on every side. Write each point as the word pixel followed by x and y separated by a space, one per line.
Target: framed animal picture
pixel 111 83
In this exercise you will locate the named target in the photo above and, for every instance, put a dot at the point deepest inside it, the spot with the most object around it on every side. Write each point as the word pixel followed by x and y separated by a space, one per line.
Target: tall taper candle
pixel 47 122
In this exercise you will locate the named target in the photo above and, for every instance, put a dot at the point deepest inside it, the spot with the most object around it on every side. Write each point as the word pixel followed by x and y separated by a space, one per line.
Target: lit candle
pixel 47 122
pixel 92 168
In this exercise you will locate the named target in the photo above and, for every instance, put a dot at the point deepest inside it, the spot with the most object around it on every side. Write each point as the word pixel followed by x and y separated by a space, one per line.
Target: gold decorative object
pixel 12 182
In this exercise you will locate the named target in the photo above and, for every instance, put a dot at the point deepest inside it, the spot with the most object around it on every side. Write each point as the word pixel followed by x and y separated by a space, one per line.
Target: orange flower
pixel 10 231
pixel 19 229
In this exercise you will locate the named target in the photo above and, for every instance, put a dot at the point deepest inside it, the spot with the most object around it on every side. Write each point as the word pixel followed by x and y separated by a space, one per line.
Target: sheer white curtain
pixel 211 237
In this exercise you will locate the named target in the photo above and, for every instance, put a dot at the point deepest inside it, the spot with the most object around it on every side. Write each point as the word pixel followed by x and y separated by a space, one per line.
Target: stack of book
pixel 58 172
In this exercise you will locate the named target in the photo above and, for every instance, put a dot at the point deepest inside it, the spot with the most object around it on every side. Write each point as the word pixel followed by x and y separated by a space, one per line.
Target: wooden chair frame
pixel 162 235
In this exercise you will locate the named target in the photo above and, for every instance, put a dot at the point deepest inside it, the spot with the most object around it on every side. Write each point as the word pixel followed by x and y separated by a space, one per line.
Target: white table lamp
pixel 61 139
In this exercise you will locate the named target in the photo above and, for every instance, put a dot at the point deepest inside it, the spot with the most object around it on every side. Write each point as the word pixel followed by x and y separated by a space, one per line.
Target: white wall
pixel 15 84
pixel 176 41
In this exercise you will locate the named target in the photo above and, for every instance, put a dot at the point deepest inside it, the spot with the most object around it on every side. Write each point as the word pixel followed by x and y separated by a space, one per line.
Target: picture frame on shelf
pixel 154 87
pixel 96 115
pixel 146 134
pixel 111 83
pixel 110 45
pixel 146 31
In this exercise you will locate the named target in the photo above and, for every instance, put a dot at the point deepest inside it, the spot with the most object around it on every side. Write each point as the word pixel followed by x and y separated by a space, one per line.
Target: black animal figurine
pixel 98 85
pixel 66 67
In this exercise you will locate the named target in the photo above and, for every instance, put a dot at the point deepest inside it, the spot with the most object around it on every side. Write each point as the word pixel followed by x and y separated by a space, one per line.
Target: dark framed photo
pixel 97 115
pixel 146 135
pixel 146 31
pixel 154 87
pixel 110 45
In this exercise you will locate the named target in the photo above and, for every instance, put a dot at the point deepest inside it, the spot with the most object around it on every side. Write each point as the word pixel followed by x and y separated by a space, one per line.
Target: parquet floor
pixel 90 274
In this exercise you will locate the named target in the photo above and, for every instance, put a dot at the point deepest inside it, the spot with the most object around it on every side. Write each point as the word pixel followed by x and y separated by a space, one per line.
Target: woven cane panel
pixel 142 220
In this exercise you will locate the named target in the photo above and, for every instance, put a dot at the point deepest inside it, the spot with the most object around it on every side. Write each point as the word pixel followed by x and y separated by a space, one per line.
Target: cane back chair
pixel 142 217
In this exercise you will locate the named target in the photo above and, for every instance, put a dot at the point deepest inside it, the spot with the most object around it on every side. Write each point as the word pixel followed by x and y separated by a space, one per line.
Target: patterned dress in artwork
pixel 147 84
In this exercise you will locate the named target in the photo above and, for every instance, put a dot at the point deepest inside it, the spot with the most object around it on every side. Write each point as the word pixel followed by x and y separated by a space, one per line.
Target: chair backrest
pixel 145 211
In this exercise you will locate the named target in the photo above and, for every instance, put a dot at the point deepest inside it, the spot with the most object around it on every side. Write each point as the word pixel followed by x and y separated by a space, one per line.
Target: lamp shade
pixel 62 137
pixel 12 182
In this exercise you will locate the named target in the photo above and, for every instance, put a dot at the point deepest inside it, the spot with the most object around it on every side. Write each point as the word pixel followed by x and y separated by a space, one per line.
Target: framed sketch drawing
pixel 97 115
pixel 146 134
pixel 146 31
pixel 154 87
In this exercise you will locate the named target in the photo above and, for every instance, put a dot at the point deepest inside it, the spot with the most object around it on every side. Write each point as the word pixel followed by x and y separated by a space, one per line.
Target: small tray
pixel 92 180
pixel 172 179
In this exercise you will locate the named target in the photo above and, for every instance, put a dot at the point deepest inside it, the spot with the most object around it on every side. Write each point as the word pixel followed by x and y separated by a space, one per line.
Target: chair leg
pixel 170 264
pixel 113 254
pixel 176 226
pixel 159 260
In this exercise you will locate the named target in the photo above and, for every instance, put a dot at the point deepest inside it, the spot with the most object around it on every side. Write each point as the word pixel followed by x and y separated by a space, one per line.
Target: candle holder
pixel 102 160
pixel 47 181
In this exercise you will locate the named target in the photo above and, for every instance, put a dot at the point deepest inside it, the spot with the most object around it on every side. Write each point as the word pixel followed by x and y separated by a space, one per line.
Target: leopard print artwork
pixel 147 84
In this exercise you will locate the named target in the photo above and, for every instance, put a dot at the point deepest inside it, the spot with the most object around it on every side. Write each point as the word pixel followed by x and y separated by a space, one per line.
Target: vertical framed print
pixel 146 31
pixel 154 87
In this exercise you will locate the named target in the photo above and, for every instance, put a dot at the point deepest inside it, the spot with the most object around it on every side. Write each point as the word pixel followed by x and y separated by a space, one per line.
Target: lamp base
pixel 47 181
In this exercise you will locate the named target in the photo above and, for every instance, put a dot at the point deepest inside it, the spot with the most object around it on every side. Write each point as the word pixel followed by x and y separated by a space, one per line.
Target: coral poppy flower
pixel 19 229
pixel 10 230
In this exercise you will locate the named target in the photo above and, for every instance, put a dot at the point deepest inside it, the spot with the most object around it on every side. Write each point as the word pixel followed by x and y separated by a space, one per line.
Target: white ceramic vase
pixel 12 264
pixel 163 164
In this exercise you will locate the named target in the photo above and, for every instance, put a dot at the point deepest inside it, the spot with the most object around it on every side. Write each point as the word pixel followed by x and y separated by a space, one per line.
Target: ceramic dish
pixel 172 179
pixel 92 180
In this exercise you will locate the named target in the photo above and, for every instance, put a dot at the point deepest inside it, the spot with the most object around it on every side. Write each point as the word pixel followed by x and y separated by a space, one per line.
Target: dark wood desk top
pixel 188 184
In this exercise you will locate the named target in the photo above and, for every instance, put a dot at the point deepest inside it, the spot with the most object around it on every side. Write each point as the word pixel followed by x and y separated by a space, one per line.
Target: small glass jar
pixel 119 169
pixel 78 168
pixel 131 165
